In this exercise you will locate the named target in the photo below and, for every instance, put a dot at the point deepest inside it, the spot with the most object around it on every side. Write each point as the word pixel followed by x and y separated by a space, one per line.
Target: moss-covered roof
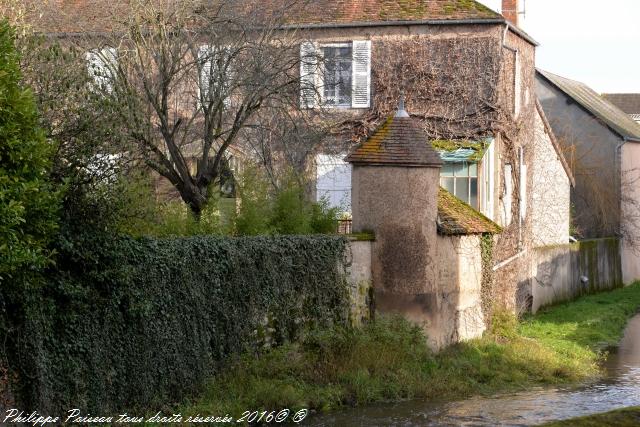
pixel 399 141
pixel 323 12
pixel 77 16
pixel 455 217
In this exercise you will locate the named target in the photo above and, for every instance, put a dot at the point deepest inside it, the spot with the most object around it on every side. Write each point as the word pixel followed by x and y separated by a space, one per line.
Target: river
pixel 619 388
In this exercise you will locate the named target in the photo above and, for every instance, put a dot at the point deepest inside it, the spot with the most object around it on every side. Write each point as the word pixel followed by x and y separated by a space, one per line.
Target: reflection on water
pixel 619 389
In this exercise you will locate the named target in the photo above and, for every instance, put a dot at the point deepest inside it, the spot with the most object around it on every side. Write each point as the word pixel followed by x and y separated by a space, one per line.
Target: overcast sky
pixel 593 41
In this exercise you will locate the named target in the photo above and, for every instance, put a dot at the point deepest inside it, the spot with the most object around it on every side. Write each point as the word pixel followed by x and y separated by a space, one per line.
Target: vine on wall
pixel 133 323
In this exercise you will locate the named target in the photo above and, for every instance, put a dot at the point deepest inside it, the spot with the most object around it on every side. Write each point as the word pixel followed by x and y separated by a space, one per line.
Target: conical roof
pixel 400 141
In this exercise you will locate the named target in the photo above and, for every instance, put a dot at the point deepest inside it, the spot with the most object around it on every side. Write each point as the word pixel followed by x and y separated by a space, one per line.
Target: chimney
pixel 510 11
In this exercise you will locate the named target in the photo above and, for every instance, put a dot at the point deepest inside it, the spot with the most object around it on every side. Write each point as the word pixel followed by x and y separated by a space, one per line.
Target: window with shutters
pixel 335 74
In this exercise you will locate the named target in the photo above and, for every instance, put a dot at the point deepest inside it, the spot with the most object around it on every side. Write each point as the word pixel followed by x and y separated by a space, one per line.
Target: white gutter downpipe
pixel 508 260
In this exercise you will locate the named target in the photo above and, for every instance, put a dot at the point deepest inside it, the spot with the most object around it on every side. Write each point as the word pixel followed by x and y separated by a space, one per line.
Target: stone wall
pixel 563 272
pixel 460 314
pixel 358 264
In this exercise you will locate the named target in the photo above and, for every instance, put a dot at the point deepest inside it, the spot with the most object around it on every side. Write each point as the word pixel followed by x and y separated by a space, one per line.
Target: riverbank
pixel 387 360
pixel 627 417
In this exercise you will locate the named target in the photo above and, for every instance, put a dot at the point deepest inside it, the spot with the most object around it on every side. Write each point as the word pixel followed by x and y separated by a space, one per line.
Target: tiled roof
pixel 627 102
pixel 354 11
pixel 399 141
pixel 72 16
pixel 616 119
pixel 455 217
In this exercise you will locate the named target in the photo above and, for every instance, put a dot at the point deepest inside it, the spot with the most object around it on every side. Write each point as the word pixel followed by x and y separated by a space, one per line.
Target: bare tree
pixel 185 81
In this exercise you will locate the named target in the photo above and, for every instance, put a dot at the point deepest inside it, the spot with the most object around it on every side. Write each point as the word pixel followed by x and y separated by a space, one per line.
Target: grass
pixel 387 360
pixel 627 417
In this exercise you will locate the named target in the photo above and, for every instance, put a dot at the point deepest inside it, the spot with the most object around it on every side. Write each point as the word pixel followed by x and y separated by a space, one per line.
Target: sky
pixel 593 41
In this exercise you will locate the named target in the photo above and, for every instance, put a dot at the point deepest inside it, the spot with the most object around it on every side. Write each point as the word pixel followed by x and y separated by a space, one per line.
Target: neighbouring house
pixel 627 102
pixel 602 145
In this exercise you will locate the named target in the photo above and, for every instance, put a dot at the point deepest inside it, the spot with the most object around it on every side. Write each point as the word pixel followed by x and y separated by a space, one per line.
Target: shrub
pixel 285 211
pixel 28 204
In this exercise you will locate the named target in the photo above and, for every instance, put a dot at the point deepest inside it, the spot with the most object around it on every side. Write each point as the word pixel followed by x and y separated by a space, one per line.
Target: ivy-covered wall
pixel 127 323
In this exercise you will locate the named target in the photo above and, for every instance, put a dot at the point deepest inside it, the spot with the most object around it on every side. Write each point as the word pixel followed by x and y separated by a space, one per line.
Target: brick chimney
pixel 510 11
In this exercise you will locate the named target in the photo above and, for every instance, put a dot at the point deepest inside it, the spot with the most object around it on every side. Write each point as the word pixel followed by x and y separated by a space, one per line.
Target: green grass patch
pixel 627 417
pixel 388 360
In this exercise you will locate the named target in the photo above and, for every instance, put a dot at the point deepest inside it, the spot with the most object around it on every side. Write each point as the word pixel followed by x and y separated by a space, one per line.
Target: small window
pixel 461 180
pixel 337 73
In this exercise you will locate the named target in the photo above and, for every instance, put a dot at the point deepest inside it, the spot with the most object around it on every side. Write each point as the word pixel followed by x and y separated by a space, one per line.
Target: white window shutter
pixel 523 186
pixel 102 66
pixel 308 72
pixel 361 83
pixel 210 57
pixel 517 87
pixel 205 58
pixel 507 197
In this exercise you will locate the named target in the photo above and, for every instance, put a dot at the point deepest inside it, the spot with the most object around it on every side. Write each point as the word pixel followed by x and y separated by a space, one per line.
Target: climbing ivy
pixel 487 289
pixel 128 323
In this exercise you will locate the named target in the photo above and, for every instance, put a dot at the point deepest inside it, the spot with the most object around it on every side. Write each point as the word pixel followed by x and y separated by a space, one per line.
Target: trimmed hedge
pixel 131 323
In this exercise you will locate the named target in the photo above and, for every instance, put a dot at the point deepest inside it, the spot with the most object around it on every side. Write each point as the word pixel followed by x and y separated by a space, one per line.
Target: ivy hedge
pixel 136 323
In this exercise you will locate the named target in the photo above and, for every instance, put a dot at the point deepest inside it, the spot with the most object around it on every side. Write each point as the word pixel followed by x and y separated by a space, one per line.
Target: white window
pixel 517 87
pixel 461 180
pixel 488 170
pixel 102 65
pixel 335 74
pixel 214 75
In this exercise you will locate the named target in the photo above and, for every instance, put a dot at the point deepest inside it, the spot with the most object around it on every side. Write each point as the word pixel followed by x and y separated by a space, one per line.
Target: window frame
pixel 468 177
pixel 321 74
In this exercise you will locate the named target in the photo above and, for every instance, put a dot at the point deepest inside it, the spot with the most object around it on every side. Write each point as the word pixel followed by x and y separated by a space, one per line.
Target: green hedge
pixel 131 323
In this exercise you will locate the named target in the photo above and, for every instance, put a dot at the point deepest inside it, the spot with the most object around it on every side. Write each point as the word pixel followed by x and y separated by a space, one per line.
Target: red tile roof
pixel 399 141
pixel 72 16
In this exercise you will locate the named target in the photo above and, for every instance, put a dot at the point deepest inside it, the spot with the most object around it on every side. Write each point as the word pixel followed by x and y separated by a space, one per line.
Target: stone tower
pixel 395 184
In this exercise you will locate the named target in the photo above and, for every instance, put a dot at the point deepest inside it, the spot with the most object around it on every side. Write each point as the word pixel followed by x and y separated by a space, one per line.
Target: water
pixel 619 388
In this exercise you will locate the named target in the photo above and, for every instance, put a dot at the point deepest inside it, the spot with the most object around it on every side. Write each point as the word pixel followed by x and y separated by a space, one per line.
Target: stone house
pixel 468 76
pixel 627 102
pixel 602 144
